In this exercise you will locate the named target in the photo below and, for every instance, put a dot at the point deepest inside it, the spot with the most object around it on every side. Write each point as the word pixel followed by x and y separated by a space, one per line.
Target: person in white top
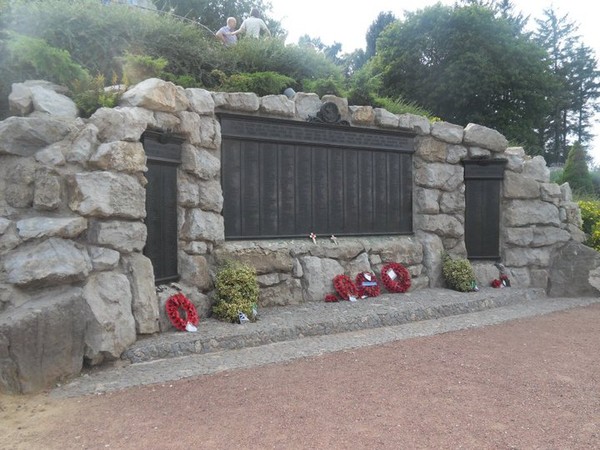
pixel 253 25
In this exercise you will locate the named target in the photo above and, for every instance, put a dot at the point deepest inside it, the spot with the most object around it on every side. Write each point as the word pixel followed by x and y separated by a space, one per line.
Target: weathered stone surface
pixel 238 101
pixel 195 271
pixel 196 248
pixel 538 278
pixel 362 115
pixel 17 178
pixel 20 102
pixel 478 152
pixel 480 136
pixel 264 260
pixel 288 291
pixel 519 213
pixel 165 121
pixel 576 233
pixel 522 236
pixel 111 327
pixel 144 303
pixel 188 190
pixel 120 156
pixel 211 196
pixel 445 177
pixel 200 162
pixel 47 190
pixel 50 262
pixel 103 258
pixel 418 124
pixel 24 136
pixel 536 168
pixel 386 119
pixel 202 131
pixel 201 101
pixel 519 186
pixel 522 257
pixel 107 194
pixel 515 157
pixel 359 264
pixel 203 225
pixel 157 95
pixel 570 271
pixel 485 272
pixel 431 150
pixel 427 201
pixel 403 249
pixel 121 124
pixel 551 192
pixel 442 225
pixel 566 192
pixel 83 145
pixel 456 153
pixel 52 103
pixel 345 249
pixel 54 154
pixel 318 276
pixel 433 249
pixel 571 214
pixel 123 236
pixel 307 104
pixel 45 338
pixel 43 227
pixel 447 132
pixel 278 105
pixel 453 202
pixel 594 278
pixel 4 224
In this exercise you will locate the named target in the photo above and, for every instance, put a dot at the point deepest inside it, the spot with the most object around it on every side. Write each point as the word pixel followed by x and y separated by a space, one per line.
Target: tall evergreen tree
pixel 576 171
pixel 375 29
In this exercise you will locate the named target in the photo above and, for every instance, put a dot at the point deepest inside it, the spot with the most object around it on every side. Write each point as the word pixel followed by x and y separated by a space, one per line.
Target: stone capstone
pixel 362 115
pixel 386 119
pixel 480 136
pixel 307 104
pixel 278 105
pixel 107 194
pixel 238 101
pixel 52 103
pixel 417 124
pixel 111 326
pixel 447 132
pixel 41 342
pixel 201 101
pixel 157 95
pixel 50 262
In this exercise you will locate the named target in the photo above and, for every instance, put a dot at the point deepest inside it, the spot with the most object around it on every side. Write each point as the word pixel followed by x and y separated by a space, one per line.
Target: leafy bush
pixel 323 86
pixel 237 291
pixel 137 68
pixel 458 273
pixel 261 83
pixel 590 214
pixel 90 95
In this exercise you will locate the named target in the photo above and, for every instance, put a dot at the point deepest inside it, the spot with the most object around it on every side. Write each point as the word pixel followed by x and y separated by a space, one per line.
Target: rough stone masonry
pixel 75 285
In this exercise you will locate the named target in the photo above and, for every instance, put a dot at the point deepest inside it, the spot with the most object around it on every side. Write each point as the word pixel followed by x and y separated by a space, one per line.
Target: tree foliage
pixel 467 65
pixel 576 171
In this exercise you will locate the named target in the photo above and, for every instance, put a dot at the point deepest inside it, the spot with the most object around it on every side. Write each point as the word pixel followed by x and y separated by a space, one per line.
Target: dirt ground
pixel 526 384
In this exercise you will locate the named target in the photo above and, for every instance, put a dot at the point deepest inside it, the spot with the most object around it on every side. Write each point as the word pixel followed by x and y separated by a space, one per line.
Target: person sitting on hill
pixel 253 25
pixel 225 33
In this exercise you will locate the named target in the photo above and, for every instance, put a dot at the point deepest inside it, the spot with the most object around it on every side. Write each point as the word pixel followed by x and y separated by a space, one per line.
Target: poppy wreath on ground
pixel 367 278
pixel 496 283
pixel 174 304
pixel 330 298
pixel 345 287
pixel 398 284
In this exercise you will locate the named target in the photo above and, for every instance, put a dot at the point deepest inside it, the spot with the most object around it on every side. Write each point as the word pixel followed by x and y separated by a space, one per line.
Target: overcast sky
pixel 341 21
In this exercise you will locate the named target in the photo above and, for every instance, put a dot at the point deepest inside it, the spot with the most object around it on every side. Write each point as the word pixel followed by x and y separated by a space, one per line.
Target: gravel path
pixel 530 383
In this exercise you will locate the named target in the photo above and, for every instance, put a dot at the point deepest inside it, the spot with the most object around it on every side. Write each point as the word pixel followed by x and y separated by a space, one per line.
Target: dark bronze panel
pixel 297 178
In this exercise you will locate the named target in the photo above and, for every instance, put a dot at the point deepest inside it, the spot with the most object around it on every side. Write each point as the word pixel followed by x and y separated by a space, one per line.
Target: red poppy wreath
pixel 395 277
pixel 366 283
pixel 174 304
pixel 345 287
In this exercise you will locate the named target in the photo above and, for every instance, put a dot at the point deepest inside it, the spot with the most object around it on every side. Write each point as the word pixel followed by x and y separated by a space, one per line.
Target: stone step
pixel 285 323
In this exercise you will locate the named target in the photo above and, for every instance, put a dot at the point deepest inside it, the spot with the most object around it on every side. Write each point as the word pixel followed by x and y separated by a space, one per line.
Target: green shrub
pixel 138 68
pixel 90 95
pixel 324 86
pixel 261 83
pixel 590 215
pixel 237 291
pixel 458 273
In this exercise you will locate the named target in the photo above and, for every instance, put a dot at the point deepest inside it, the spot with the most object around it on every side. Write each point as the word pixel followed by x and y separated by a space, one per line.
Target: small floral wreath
pixel 180 301
pixel 401 283
pixel 496 283
pixel 345 287
pixel 367 278
pixel 331 298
